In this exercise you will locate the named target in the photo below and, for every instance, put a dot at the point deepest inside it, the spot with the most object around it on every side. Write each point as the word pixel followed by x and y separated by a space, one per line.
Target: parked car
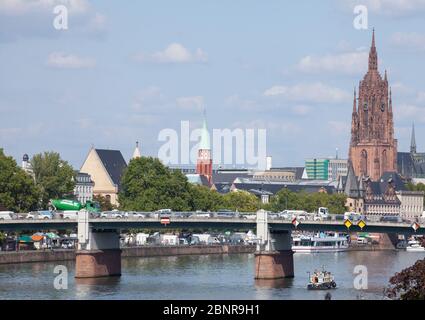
pixel 138 215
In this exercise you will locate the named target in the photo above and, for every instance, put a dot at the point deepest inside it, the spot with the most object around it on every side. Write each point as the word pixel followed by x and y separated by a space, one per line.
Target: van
pixel 8 215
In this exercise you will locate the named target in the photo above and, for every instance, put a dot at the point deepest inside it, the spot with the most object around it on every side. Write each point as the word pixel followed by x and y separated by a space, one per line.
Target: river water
pixel 207 277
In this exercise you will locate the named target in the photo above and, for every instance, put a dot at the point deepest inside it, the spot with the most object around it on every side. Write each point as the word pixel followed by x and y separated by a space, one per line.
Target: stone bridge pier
pixel 99 253
pixel 274 256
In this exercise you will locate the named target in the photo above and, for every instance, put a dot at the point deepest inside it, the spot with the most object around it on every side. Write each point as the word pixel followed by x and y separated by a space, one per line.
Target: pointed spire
pixel 373 55
pixel 355 101
pixel 136 153
pixel 413 140
pixel 205 136
pixel 385 77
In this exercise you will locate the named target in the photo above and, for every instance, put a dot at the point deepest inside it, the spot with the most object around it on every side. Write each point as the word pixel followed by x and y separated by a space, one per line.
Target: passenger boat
pixel 322 242
pixel 321 280
pixel 414 246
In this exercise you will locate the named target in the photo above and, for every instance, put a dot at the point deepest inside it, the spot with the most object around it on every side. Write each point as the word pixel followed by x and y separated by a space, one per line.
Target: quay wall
pixel 145 251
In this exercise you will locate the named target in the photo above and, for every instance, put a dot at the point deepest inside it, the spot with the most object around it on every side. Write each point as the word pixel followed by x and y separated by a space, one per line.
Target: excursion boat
pixel 321 242
pixel 414 246
pixel 321 280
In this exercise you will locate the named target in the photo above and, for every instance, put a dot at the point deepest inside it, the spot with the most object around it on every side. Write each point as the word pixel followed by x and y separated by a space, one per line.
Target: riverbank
pixel 146 251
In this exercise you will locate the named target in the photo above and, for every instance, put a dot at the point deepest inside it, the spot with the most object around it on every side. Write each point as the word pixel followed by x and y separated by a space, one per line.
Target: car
pixel 112 215
pixel 72 214
pixel 138 215
pixel 40 215
pixel 8 215
pixel 225 213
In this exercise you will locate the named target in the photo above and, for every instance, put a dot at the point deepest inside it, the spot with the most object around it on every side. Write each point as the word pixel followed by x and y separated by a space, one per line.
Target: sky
pixel 125 70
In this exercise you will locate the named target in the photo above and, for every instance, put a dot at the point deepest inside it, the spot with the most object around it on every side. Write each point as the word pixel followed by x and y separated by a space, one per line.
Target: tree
pixel 54 176
pixel 241 201
pixel 310 202
pixel 148 185
pixel 202 198
pixel 105 204
pixel 18 191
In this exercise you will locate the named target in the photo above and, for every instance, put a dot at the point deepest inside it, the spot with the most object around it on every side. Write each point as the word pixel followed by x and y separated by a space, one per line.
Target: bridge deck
pixel 275 225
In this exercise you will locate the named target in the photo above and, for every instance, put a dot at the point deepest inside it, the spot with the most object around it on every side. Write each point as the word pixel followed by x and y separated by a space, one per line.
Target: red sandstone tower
pixel 373 149
pixel 204 162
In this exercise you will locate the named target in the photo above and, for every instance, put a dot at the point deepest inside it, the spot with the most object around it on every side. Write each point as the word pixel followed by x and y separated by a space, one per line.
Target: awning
pixel 52 235
pixel 25 239
pixel 37 237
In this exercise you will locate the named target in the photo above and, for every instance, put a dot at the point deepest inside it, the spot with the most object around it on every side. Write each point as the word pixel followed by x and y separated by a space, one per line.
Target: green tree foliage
pixel 202 198
pixel 241 201
pixel 148 185
pixel 416 187
pixel 310 202
pixel 104 204
pixel 53 176
pixel 18 191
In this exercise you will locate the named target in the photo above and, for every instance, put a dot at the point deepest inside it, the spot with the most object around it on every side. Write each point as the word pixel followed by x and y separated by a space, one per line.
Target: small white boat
pixel 322 242
pixel 414 246
pixel 321 280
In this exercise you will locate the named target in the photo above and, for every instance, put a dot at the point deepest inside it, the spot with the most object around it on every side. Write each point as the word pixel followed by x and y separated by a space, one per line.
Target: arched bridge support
pixel 99 253
pixel 274 256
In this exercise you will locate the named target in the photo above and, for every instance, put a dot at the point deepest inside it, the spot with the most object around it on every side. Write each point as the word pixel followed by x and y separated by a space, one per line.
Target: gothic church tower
pixel 373 149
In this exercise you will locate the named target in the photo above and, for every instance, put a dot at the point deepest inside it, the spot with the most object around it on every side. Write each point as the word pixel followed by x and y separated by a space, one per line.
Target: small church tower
pixel 204 162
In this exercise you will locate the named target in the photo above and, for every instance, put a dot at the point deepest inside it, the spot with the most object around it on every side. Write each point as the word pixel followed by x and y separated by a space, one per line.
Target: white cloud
pixel 409 112
pixel 316 93
pixel 410 40
pixel 69 61
pixel 390 7
pixel 190 103
pixel 346 63
pixel 20 7
pixel 175 53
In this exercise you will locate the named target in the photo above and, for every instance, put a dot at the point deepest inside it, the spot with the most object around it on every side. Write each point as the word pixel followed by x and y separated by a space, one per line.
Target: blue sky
pixel 124 70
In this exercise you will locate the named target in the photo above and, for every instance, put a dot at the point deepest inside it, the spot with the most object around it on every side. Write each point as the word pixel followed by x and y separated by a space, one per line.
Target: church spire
pixel 355 101
pixel 373 55
pixel 205 136
pixel 413 141
pixel 136 153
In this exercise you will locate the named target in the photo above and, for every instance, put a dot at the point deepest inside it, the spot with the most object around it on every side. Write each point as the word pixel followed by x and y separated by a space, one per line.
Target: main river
pixel 207 277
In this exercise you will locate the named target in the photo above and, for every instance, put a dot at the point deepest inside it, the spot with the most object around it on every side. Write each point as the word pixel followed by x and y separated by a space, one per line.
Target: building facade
pixel 317 169
pixel 411 165
pixel 83 189
pixel 373 149
pixel 106 169
pixel 411 204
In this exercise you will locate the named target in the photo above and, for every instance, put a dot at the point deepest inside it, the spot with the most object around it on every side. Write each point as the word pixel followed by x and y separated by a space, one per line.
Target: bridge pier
pixel 99 253
pixel 274 256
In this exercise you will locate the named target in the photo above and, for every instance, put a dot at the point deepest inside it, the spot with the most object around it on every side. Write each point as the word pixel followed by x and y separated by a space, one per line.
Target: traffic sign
pixel 348 223
pixel 361 224
pixel 415 226
pixel 295 222
pixel 165 220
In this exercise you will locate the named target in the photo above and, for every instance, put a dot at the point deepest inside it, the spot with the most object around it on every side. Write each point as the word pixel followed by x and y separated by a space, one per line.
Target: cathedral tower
pixel 373 149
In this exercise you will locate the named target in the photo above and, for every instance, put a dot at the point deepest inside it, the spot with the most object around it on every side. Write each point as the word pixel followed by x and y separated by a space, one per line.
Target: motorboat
pixel 321 280
pixel 414 246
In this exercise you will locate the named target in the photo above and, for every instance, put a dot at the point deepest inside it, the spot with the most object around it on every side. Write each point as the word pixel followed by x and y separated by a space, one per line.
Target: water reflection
pixel 87 288
pixel 274 283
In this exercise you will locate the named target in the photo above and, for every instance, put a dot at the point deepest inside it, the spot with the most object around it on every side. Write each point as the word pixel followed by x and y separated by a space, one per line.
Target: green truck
pixel 72 205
